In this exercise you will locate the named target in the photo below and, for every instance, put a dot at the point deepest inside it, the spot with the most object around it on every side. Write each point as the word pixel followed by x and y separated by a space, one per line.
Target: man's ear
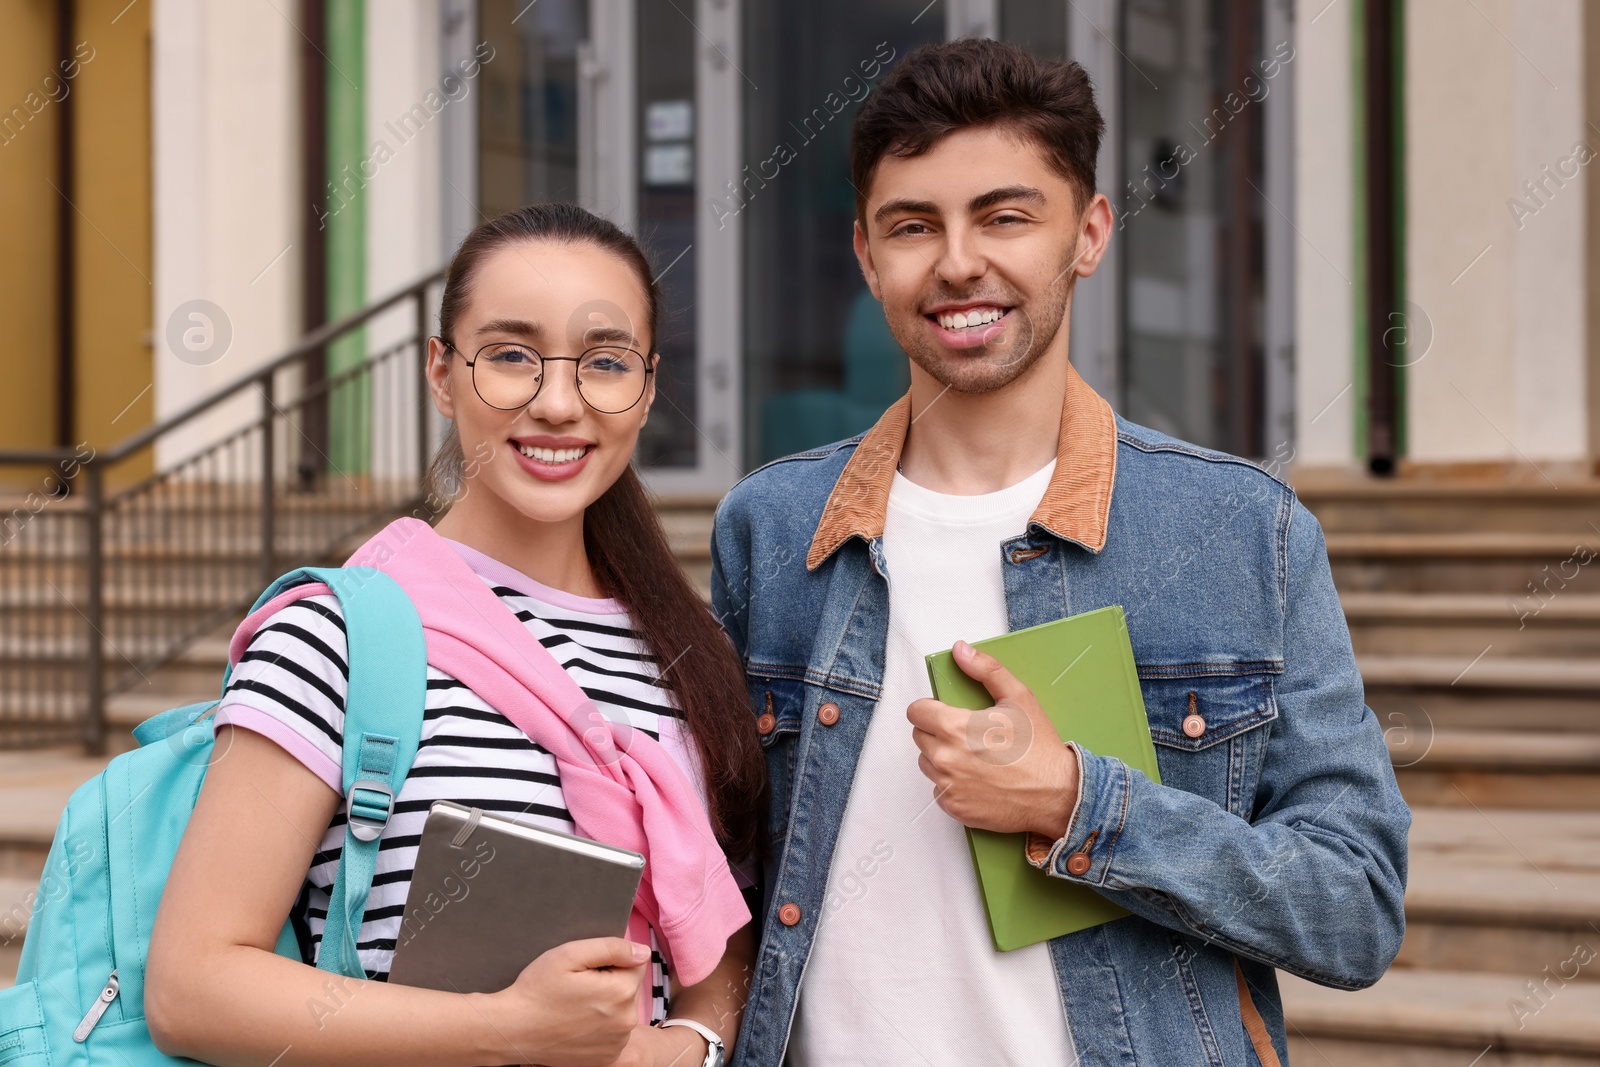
pixel 864 257
pixel 439 378
pixel 1094 234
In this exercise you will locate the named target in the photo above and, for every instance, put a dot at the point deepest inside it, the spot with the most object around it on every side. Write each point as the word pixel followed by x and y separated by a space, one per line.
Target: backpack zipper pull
pixel 97 1009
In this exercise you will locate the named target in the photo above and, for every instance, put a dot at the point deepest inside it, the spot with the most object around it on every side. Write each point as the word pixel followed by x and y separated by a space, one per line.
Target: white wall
pixel 408 96
pixel 1490 101
pixel 226 189
pixel 1324 264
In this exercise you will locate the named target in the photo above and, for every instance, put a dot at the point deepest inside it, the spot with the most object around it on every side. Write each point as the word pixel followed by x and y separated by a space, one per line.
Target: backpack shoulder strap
pixel 388 659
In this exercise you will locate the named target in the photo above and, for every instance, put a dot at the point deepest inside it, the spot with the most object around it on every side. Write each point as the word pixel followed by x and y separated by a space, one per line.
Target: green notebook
pixel 1081 669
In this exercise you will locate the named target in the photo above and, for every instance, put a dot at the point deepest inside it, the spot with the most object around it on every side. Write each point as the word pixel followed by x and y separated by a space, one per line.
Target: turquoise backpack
pixel 79 997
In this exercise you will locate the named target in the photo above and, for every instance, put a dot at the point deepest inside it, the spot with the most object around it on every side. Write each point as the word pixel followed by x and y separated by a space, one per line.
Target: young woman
pixel 544 363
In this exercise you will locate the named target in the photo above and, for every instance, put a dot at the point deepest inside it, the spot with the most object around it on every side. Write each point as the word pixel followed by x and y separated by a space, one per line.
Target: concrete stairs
pixel 1475 615
pixel 1492 712
pixel 196 673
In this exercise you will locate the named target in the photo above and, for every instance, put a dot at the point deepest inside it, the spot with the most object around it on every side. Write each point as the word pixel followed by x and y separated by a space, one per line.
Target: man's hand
pixel 1003 768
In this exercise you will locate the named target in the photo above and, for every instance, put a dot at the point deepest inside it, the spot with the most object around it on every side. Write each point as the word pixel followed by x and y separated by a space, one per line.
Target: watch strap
pixel 714 1054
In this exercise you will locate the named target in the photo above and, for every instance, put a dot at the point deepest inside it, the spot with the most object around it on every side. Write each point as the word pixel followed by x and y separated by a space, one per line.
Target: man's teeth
pixel 961 320
pixel 551 455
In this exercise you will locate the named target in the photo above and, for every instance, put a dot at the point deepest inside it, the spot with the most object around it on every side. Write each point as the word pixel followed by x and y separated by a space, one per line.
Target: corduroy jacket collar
pixel 1076 505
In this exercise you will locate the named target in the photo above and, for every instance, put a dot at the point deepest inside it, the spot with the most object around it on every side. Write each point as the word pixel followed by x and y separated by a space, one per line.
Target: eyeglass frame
pixel 472 364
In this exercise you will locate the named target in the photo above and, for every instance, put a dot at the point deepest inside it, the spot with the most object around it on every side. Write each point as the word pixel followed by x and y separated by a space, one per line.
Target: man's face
pixel 972 247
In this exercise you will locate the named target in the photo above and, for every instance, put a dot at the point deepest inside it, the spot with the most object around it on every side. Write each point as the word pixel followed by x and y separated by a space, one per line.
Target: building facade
pixel 1350 233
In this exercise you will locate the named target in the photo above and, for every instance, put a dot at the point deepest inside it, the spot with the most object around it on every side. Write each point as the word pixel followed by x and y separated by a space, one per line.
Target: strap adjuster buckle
pixel 367 808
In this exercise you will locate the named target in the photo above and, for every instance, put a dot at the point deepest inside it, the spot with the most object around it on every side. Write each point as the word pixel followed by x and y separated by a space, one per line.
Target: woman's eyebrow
pixel 519 327
pixel 609 335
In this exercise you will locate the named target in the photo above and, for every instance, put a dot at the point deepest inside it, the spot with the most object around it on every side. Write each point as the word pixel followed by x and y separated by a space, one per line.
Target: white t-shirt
pixel 902 969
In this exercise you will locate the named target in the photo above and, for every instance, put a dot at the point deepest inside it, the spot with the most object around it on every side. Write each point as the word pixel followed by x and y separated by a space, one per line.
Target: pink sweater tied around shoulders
pixel 620 785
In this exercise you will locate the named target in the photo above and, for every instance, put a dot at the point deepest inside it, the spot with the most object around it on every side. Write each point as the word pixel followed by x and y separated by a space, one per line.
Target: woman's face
pixel 554 455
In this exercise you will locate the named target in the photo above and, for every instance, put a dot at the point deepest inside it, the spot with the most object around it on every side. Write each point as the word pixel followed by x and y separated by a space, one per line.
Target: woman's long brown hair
pixel 630 555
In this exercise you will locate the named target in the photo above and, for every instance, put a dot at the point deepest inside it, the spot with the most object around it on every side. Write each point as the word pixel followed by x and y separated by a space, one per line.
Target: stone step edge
pixel 1542 673
pixel 1314 1011
pixel 1496 750
pixel 1459 609
pixel 1553 547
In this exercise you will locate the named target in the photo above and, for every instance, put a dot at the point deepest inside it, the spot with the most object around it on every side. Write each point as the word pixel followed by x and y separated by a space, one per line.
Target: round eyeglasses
pixel 507 376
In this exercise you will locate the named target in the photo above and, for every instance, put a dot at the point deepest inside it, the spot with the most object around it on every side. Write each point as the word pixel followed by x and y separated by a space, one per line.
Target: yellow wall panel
pixel 113 239
pixel 28 112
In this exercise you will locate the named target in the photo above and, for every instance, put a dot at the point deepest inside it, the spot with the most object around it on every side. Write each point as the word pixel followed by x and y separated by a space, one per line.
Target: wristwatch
pixel 715 1054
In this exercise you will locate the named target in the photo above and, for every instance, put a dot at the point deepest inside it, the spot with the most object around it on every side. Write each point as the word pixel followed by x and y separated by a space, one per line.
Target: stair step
pixel 1500 750
pixel 1562 625
pixel 1446 609
pixel 1493 768
pixel 1522 673
pixel 1501 891
pixel 37 785
pixel 1495 918
pixel 1471 545
pixel 1515 564
pixel 1464 1011
pixel 1407 504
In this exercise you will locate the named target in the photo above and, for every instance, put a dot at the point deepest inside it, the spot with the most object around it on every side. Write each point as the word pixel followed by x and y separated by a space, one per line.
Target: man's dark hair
pixel 941 88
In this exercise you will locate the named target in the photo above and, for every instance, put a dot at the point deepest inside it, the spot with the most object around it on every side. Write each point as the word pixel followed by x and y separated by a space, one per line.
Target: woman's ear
pixel 438 372
pixel 650 387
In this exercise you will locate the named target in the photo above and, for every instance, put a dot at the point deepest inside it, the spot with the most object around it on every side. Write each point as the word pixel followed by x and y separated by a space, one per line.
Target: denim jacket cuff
pixel 1084 854
pixel 1036 846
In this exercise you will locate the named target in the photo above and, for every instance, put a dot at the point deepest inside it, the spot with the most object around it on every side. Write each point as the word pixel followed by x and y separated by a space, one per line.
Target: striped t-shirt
pixel 290 686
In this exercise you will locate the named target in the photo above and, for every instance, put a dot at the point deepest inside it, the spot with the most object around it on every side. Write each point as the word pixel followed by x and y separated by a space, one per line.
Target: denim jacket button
pixel 1193 725
pixel 1078 864
pixel 766 724
pixel 789 914
pixel 828 714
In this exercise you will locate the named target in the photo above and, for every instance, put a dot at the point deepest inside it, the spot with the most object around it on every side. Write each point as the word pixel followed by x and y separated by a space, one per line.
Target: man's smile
pixel 968 325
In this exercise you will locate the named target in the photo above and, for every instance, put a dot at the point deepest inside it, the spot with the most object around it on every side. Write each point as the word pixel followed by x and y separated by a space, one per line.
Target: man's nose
pixel 960 260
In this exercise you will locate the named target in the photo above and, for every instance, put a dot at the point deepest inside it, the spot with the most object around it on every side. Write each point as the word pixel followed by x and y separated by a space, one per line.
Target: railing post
pixel 423 400
pixel 268 501
pixel 94 733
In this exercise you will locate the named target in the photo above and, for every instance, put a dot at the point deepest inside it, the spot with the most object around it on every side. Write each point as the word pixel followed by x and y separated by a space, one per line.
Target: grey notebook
pixel 489 895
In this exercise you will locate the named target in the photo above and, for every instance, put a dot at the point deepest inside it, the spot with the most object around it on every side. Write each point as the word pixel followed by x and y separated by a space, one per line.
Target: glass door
pixel 1191 220
pixel 820 363
pixel 528 111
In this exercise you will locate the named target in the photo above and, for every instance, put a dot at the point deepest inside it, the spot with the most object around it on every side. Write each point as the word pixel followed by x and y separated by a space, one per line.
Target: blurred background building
pixel 1356 241
pixel 1352 232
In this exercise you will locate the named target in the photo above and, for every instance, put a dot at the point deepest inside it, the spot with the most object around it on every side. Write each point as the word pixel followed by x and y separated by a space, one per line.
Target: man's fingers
pixel 990 672
pixel 930 716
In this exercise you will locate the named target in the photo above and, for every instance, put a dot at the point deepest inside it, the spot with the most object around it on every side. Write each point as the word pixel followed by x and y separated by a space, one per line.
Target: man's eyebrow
pixel 520 327
pixel 903 206
pixel 981 202
pixel 987 200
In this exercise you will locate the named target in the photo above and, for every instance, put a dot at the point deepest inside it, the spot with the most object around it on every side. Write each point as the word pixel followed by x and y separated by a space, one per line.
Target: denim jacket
pixel 1277 836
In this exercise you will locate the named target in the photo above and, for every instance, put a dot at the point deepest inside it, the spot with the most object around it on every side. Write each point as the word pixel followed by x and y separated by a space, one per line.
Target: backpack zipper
pixel 97 1009
pixel 91 1018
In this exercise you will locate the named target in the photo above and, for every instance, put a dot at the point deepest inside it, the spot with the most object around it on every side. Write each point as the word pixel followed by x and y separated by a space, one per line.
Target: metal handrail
pixel 142 506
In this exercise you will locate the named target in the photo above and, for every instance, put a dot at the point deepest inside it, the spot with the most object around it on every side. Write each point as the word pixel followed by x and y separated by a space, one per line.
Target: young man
pixel 1002 493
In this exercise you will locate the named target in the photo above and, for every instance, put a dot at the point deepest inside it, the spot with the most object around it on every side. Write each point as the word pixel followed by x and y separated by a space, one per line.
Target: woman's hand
pixel 575 1006
pixel 662 1046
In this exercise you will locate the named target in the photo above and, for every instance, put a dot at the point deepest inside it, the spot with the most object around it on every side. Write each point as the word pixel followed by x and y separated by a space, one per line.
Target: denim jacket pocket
pixel 777 702
pixel 1211 730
